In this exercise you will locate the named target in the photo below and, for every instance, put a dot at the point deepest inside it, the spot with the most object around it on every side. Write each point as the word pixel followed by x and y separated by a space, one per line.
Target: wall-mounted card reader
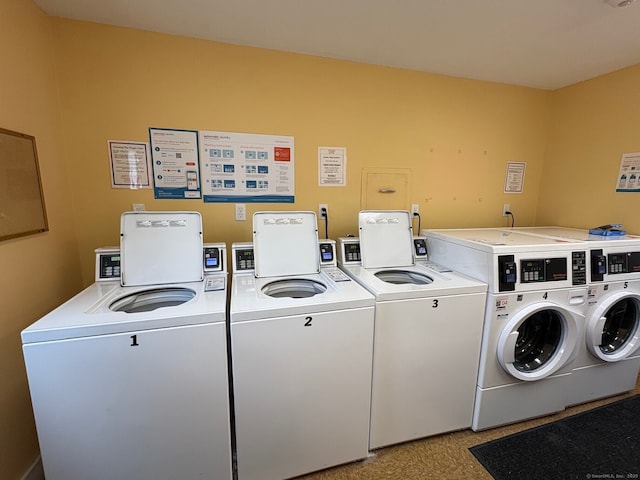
pixel 598 265
pixel 507 273
pixel 212 260
pixel 327 252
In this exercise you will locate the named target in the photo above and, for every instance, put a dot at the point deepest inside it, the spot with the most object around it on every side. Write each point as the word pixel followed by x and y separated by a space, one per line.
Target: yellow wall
pixel 594 123
pixel 455 135
pixel 40 271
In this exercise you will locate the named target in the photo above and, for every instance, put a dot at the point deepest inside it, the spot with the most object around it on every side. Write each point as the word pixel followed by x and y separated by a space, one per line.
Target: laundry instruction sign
pixel 222 166
pixel 246 168
pixel 174 155
pixel 514 178
pixel 628 175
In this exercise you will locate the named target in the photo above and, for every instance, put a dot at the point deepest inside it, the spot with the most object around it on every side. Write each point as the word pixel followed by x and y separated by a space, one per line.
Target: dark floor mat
pixel 599 443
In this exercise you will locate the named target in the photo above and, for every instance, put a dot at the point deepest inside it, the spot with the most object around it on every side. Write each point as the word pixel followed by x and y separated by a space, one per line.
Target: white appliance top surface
pixel 160 247
pixel 443 283
pixel 88 313
pixel 285 243
pixel 248 302
pixel 581 235
pixel 496 240
pixel 386 238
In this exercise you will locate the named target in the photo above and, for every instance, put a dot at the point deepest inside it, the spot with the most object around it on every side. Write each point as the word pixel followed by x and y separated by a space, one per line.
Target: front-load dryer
pixel 129 378
pixel 301 342
pixel 608 359
pixel 533 322
pixel 428 328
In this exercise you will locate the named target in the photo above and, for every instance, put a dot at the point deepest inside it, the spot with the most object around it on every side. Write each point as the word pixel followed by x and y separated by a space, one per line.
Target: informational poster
pixel 129 162
pixel 176 167
pixel 628 180
pixel 247 168
pixel 332 166
pixel 514 180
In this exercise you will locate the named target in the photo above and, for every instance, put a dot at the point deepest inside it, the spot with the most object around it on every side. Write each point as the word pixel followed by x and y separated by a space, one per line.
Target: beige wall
pixel 594 123
pixel 455 135
pixel 75 85
pixel 40 271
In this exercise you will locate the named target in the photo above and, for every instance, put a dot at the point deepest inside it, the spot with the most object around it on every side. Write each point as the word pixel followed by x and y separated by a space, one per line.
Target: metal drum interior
pixel 401 277
pixel 539 337
pixel 294 288
pixel 149 300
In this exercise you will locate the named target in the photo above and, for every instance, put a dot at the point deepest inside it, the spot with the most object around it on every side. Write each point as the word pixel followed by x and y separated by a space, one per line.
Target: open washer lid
pixel 160 247
pixel 285 243
pixel 386 238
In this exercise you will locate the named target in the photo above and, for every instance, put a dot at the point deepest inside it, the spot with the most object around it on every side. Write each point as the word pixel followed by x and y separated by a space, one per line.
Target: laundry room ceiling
pixel 545 44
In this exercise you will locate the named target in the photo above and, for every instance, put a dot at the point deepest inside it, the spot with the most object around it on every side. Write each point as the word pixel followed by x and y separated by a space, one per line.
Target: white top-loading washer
pixel 129 378
pixel 428 326
pixel 302 340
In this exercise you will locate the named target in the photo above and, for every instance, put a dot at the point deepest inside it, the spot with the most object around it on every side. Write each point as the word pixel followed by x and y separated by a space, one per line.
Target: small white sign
pixel 514 180
pixel 332 166
pixel 129 162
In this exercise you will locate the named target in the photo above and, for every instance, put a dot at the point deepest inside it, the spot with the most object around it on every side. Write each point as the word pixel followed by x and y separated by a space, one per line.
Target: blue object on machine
pixel 608 230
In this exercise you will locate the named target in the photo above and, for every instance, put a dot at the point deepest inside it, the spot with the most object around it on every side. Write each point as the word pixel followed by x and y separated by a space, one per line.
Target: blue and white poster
pixel 246 167
pixel 629 173
pixel 176 167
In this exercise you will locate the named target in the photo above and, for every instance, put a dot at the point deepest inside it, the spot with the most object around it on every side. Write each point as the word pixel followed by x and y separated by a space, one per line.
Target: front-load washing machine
pixel 534 317
pixel 428 328
pixel 129 378
pixel 301 343
pixel 608 360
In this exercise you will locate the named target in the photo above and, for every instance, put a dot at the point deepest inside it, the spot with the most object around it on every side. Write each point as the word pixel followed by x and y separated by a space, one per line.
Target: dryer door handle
pixel 509 352
pixel 598 329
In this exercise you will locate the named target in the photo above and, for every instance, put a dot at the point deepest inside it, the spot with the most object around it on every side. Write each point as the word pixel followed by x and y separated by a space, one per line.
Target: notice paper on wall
pixel 514 179
pixel 129 163
pixel 174 155
pixel 628 180
pixel 332 166
pixel 246 167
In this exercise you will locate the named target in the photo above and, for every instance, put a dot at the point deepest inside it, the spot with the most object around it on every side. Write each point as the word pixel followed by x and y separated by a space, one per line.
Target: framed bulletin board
pixel 22 210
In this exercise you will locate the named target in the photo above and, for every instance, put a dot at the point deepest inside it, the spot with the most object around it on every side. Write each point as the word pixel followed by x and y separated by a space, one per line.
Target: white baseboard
pixel 35 471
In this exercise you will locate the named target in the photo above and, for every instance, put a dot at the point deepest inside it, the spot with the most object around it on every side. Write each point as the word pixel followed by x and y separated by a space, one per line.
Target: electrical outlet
pixel 505 209
pixel 415 209
pixel 137 207
pixel 321 212
pixel 241 211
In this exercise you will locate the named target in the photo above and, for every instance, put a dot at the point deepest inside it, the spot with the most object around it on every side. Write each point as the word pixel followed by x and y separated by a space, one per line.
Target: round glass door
pixel 538 339
pixel 149 300
pixel 613 328
pixel 294 288
pixel 537 342
pixel 402 277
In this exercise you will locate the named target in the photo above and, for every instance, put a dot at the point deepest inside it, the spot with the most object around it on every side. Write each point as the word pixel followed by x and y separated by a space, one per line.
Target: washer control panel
pixel 107 264
pixel 244 259
pixel 349 251
pixel 543 270
pixel 628 262
pixel 108 261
